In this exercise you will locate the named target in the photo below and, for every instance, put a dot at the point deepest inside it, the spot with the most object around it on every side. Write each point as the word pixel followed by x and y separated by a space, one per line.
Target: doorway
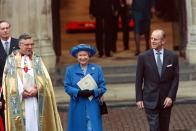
pixel 170 19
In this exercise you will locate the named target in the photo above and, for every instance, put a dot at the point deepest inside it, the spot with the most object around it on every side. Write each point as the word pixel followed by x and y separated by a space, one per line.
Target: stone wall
pixel 34 17
pixel 191 34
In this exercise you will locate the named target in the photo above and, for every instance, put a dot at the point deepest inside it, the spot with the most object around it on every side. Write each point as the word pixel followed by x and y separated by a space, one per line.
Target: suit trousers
pixel 104 34
pixel 158 118
pixel 123 14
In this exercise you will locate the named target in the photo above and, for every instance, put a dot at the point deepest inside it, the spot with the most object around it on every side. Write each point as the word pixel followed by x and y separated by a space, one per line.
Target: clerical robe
pixel 17 108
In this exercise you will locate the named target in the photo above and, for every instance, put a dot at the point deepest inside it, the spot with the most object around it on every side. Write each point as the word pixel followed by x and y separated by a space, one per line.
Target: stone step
pixel 131 68
pixel 126 73
pixel 185 75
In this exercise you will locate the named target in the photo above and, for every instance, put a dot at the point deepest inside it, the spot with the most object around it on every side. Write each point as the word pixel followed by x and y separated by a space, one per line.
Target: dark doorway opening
pixel 175 11
pixel 171 16
pixel 56 28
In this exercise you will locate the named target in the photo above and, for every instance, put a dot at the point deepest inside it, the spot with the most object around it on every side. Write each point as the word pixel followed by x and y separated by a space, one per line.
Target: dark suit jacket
pixel 150 87
pixel 3 55
pixel 103 8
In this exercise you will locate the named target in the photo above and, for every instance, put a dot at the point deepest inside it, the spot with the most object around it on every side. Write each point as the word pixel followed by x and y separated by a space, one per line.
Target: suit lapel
pixel 12 46
pixel 153 62
pixel 165 61
pixel 2 48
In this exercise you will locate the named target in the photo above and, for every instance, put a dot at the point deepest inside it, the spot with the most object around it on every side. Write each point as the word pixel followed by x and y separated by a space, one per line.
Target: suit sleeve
pixel 139 79
pixel 175 82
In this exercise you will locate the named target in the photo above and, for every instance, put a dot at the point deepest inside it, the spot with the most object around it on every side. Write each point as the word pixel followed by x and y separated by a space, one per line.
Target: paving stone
pixel 129 118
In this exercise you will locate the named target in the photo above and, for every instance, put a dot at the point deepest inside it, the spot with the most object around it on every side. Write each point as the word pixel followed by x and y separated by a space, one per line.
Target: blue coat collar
pixel 90 69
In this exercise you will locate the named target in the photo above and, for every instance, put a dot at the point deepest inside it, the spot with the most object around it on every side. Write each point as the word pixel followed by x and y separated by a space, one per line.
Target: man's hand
pixel 168 102
pixel 140 104
pixel 33 92
pixel 25 94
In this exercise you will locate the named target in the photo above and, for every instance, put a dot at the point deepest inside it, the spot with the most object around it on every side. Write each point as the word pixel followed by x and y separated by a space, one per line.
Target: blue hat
pixel 83 47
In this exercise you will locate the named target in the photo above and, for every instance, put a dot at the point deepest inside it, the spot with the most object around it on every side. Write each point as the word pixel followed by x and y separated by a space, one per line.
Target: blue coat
pixel 79 106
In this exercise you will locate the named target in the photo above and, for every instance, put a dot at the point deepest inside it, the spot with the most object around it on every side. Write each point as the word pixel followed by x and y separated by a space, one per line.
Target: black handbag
pixel 103 107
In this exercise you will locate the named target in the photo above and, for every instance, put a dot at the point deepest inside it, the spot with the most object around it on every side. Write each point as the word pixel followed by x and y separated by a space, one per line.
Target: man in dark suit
pixel 124 15
pixel 7 45
pixel 158 71
pixel 104 12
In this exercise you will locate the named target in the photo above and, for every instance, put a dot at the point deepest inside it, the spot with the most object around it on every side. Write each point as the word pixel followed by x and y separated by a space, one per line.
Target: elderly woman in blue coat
pixel 84 113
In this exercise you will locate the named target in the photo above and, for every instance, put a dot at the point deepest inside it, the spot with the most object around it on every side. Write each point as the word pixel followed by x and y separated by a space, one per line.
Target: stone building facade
pixel 35 17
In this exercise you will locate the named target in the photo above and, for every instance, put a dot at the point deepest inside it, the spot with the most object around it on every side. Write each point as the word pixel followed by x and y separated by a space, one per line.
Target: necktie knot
pixel 158 53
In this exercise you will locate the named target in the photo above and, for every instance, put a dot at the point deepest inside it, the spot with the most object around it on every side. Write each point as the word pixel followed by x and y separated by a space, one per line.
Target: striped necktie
pixel 7 47
pixel 159 62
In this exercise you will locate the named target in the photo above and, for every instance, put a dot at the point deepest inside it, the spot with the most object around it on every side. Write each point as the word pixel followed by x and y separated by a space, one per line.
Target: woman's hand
pixel 33 92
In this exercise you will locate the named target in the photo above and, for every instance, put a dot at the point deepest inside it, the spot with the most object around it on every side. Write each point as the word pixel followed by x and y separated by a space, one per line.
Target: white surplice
pixel 31 105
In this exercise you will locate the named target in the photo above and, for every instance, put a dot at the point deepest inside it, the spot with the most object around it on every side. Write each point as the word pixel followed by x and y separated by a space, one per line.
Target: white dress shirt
pixel 161 55
pixel 4 45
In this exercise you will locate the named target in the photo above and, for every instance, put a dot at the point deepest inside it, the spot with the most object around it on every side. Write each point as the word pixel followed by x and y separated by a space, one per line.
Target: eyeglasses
pixel 31 44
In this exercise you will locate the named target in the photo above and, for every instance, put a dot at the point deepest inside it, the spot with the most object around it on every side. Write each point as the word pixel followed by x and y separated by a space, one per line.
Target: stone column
pixel 34 17
pixel 191 33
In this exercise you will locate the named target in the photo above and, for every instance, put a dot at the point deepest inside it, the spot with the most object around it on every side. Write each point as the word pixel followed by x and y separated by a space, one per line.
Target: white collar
pixel 8 40
pixel 161 51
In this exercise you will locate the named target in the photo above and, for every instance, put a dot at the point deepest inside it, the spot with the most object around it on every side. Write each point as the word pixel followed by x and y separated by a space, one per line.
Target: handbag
pixel 103 106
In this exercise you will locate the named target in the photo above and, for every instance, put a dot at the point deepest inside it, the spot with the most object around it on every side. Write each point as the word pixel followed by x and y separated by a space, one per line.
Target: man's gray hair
pixel 161 31
pixel 24 36
pixel 5 21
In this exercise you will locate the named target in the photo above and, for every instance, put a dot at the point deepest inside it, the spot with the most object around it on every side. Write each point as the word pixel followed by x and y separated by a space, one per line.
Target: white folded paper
pixel 87 83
